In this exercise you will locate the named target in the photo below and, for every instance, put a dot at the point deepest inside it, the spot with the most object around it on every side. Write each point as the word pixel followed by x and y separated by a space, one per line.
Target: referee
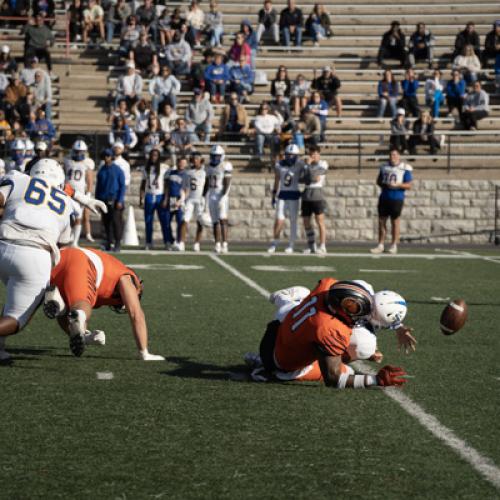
pixel 394 179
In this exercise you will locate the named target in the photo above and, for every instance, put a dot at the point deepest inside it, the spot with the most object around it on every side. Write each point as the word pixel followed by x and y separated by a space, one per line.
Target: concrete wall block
pixel 452 212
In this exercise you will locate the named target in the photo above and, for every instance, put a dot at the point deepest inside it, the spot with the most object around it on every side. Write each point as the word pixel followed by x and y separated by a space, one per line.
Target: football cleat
pixel 393 249
pixel 378 249
pixel 53 303
pixel 252 359
pixel 95 337
pixel 321 250
pixel 272 248
pixel 76 325
pixel 196 247
pixel 218 248
pixel 289 249
pixel 225 248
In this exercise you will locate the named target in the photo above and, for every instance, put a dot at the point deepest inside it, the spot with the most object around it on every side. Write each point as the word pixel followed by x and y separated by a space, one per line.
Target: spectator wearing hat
pixel 393 45
pixel 420 46
pixel 164 88
pixel 400 128
pixel 388 93
pixel 42 93
pixel 111 189
pixel 178 55
pixel 423 133
pixel 217 78
pixel 118 151
pixel 409 86
pixel 468 36
pixel 129 86
pixel 8 63
pixel 476 107
pixel 492 43
pixel 291 23
pixel 241 79
pixel 38 39
pixel 234 120
pixel 329 84
pixel 93 18
pixel 268 21
pixel 199 115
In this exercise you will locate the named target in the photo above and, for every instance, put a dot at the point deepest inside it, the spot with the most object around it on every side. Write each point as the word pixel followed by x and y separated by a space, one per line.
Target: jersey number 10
pixel 39 191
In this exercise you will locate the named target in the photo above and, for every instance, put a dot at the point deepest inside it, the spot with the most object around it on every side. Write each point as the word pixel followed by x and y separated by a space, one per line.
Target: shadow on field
pixel 193 369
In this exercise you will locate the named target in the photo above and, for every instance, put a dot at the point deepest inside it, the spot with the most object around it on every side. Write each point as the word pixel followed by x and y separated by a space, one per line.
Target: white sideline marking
pixel 186 295
pixel 482 464
pixel 289 269
pixel 396 271
pixel 440 299
pixel 105 375
pixel 166 267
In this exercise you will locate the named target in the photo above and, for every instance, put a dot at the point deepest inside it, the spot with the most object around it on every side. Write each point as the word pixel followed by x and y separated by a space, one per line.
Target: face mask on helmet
pixel 17 156
pixel 78 155
pixel 290 159
pixel 215 160
pixel 349 301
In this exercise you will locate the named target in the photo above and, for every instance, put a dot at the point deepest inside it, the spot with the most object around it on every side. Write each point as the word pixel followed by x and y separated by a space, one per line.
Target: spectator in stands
pixel 281 109
pixel 164 88
pixel 121 110
pixel 93 18
pixel 142 112
pixel 42 93
pixel 198 69
pixel 147 19
pixel 238 49
pixel 423 133
pixel 420 46
pixel 455 92
pixel 242 78
pixel 476 107
pixel 154 137
pixel 4 82
pixel 129 36
pixel 38 39
pixel 121 131
pixel 393 45
pixel 394 178
pixel 14 93
pixel 144 54
pixel 5 129
pixel 177 21
pixel 468 63
pixel 116 17
pixel 319 107
pixel 42 129
pixel 492 44
pixel 309 128
pixel 26 108
pixel 234 120
pixel 268 21
pixel 266 128
pixel 199 115
pixel 129 86
pixel 27 75
pixel 195 19
pixel 497 73
pixel 217 78
pixel 168 119
pixel 19 8
pixel 282 82
pixel 181 141
pixel 329 84
pixel 409 86
pixel 75 18
pixel 178 54
pixel 291 22
pixel 468 36
pixel 8 63
pixel 250 39
pixel 300 93
pixel 214 27
pixel 400 128
pixel 164 28
pixel 110 188
pixel 434 92
pixel 45 8
pixel 318 25
pixel 388 92
pixel 118 151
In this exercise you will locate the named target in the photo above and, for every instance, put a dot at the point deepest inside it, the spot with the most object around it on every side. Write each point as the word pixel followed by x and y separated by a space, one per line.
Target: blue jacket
pixel 110 185
pixel 391 88
pixel 410 88
pixel 455 90
pixel 217 72
pixel 245 74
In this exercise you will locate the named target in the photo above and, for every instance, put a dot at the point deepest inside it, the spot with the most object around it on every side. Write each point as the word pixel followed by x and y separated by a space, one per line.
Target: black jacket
pixel 463 39
pixel 289 18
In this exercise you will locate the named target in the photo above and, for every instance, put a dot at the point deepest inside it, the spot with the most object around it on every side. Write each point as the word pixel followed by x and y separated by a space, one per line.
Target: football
pixel 453 317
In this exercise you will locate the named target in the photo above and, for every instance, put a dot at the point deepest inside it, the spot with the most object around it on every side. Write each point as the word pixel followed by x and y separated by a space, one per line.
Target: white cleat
pixel 196 247
pixel 252 359
pixel 218 248
pixel 89 237
pixel 393 249
pixel 147 356
pixel 272 249
pixel 76 326
pixel 225 248
pixel 321 250
pixel 378 249
pixel 95 337
pixel 289 249
pixel 53 303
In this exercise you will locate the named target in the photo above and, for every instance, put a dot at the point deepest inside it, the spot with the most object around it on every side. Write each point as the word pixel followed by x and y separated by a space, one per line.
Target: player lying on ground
pixel 314 339
pixel 35 220
pixel 86 279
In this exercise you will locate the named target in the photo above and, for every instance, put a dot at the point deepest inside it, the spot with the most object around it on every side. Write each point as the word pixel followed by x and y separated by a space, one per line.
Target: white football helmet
pixel 80 145
pixel 49 170
pixel 217 155
pixel 292 149
pixel 389 310
pixel 41 146
pixel 18 145
pixel 362 344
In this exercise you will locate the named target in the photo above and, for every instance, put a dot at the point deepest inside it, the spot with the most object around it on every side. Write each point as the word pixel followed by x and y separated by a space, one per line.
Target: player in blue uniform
pixel 395 179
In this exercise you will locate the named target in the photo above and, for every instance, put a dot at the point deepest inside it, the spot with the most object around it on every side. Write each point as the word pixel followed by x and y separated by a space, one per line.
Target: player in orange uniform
pixel 319 329
pixel 85 279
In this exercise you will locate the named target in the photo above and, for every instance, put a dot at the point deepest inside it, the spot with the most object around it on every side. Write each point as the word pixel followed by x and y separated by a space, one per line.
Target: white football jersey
pixel 35 213
pixel 155 183
pixel 394 174
pixel 315 170
pixel 289 176
pixel 76 172
pixel 13 166
pixel 216 176
pixel 194 182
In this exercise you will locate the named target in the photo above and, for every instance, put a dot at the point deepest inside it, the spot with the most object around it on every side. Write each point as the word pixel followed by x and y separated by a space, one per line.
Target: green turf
pixel 185 429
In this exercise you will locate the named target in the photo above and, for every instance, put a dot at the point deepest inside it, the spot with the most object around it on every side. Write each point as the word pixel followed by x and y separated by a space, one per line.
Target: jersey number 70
pixel 39 191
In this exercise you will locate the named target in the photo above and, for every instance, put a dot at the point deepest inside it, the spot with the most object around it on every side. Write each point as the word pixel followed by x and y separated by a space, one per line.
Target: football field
pixel 109 426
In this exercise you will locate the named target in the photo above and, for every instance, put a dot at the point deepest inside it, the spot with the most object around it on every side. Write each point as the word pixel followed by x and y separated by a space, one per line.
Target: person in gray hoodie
pixel 164 88
pixel 199 115
pixel 476 107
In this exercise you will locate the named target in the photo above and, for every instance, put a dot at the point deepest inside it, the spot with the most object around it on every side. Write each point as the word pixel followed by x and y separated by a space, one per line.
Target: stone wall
pixel 432 207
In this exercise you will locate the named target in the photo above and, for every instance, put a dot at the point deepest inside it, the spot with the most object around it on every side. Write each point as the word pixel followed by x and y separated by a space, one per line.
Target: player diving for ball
pixel 86 279
pixel 36 218
pixel 315 334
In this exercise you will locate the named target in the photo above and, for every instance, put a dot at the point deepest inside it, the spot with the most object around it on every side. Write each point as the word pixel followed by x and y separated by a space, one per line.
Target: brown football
pixel 453 317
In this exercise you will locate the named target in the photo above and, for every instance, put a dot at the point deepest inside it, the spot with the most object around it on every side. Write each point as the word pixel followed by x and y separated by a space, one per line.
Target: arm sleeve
pixel 122 187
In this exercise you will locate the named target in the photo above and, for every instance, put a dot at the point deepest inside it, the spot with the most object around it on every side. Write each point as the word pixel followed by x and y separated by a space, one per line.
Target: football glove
pixel 391 375
pixel 93 204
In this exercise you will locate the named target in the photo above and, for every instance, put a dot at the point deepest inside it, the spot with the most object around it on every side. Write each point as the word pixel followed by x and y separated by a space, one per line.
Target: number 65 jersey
pixel 35 213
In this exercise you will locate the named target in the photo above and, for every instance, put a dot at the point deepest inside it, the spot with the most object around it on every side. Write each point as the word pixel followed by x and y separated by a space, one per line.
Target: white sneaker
pixel 289 249
pixel 218 247
pixel 378 249
pixel 225 248
pixel 196 247
pixel 393 249
pixel 146 356
pixel 252 359
pixel 272 248
pixel 95 337
pixel 321 250
pixel 181 246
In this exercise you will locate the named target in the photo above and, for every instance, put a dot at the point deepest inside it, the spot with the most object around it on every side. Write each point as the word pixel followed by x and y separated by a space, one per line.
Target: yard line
pixel 401 271
pixel 105 375
pixel 482 464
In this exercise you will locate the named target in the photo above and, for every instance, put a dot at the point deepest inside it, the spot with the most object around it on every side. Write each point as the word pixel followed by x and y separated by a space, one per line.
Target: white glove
pixel 93 204
pixel 146 356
